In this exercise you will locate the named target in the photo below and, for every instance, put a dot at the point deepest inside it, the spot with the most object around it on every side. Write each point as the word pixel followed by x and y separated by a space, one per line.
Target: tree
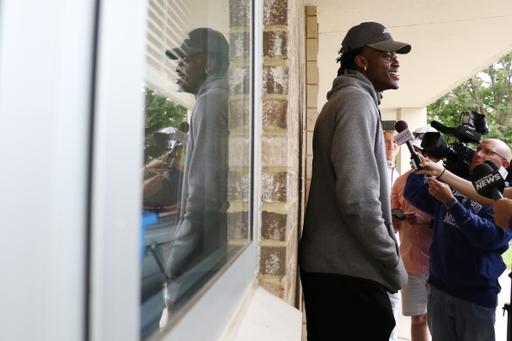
pixel 160 109
pixel 160 112
pixel 488 93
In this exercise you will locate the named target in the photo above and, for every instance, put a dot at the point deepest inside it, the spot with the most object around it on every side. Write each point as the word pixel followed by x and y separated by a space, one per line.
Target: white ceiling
pixel 451 40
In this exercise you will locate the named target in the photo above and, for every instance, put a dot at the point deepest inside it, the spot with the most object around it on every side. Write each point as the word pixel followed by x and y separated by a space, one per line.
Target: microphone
pixel 181 133
pixel 405 136
pixel 184 127
pixel 488 181
pixel 180 136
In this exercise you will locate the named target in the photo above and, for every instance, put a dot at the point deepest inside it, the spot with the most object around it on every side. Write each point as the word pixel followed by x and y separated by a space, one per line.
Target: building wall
pixel 283 111
pixel 312 80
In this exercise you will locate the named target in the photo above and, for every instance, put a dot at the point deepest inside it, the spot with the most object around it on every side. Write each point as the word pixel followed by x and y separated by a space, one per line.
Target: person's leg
pixel 440 317
pixel 419 328
pixel 345 308
pixel 474 323
pixel 414 304
pixel 394 298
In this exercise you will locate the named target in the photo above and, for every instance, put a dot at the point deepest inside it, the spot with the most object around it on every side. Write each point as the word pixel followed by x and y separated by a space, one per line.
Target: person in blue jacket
pixel 465 255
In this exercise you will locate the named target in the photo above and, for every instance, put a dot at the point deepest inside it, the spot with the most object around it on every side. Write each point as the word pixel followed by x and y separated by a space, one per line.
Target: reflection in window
pixel 196 176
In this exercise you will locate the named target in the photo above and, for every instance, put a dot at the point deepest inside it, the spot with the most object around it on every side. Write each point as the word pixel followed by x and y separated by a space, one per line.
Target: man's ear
pixel 210 64
pixel 506 164
pixel 361 62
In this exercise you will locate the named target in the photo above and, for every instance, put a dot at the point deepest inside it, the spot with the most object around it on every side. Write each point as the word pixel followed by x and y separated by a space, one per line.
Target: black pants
pixel 346 308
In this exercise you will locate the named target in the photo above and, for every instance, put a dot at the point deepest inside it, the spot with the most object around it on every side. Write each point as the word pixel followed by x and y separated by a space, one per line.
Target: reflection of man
pixel 202 231
pixel 465 254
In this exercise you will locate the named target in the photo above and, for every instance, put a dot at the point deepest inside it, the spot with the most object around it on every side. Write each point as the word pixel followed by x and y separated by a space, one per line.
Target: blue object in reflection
pixel 147 219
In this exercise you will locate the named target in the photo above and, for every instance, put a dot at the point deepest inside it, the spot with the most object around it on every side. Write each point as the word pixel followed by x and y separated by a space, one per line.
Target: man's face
pixel 191 73
pixel 391 146
pixel 382 68
pixel 485 152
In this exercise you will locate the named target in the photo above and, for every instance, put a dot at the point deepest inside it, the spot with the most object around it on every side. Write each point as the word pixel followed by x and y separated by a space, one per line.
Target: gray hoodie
pixel 348 228
pixel 202 230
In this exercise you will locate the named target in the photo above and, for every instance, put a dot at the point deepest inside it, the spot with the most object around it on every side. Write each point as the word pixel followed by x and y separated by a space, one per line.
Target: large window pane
pixel 196 176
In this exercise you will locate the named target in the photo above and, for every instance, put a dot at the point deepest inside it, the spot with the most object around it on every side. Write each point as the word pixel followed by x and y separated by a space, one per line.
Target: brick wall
pixel 312 79
pixel 312 87
pixel 282 116
pixel 239 125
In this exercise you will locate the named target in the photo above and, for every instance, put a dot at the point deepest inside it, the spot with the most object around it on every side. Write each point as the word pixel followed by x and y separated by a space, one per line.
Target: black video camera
pixel 457 156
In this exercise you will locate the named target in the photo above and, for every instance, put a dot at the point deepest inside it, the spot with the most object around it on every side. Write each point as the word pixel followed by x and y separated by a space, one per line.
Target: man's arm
pixel 464 186
pixel 477 223
pixel 416 193
pixel 358 189
pixel 503 213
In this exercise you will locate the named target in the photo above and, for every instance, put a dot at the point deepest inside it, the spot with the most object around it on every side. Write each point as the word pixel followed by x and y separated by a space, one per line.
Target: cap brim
pixel 417 143
pixel 392 46
pixel 181 52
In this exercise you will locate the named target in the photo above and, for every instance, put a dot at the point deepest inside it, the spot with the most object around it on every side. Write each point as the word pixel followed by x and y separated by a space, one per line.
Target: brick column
pixel 239 125
pixel 312 80
pixel 282 102
pixel 312 110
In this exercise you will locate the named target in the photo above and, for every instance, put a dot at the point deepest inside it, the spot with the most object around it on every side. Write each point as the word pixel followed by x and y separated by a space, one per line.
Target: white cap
pixel 422 130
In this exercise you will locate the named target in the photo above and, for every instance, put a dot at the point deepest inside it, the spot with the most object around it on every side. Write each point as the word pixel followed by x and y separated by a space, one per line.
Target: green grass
pixel 507 258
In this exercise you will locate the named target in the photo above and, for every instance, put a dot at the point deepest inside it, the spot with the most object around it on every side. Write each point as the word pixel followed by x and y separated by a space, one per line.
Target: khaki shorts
pixel 415 295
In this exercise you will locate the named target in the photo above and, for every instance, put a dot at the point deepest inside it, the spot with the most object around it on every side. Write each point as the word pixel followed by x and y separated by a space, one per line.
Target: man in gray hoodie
pixel 202 231
pixel 348 253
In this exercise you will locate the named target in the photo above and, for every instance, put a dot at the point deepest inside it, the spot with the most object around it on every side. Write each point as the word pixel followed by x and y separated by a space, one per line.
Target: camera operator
pixel 500 155
pixel 465 255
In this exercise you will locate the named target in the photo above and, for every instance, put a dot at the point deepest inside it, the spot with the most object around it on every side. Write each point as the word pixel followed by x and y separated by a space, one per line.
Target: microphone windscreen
pixel 184 127
pixel 487 181
pixel 401 126
pixel 481 170
pixel 492 164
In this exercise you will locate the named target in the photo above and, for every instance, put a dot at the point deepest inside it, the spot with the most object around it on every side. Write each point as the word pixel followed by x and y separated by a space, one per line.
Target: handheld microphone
pixel 181 133
pixel 184 127
pixel 405 136
pixel 181 137
pixel 488 181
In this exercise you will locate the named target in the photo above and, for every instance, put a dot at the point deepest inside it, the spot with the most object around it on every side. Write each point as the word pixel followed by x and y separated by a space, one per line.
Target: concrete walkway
pixel 404 323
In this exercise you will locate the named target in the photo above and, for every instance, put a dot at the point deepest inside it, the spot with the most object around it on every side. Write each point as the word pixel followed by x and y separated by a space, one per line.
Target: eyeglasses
pixel 418 135
pixel 489 153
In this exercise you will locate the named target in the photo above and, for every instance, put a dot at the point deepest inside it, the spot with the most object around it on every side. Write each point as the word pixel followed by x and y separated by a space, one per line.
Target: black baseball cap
pixel 198 40
pixel 374 35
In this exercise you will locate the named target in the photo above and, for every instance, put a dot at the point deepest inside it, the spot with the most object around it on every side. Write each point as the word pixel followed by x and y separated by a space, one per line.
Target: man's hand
pixel 430 167
pixel 153 185
pixel 439 190
pixel 414 219
pixel 502 212
pixel 396 223
pixel 158 165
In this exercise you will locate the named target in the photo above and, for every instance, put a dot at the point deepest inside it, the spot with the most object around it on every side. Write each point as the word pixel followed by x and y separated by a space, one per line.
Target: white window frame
pixel 116 195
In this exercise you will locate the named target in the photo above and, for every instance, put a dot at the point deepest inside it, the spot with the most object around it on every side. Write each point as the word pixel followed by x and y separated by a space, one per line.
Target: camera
pixel 458 155
pixel 160 141
pixel 158 144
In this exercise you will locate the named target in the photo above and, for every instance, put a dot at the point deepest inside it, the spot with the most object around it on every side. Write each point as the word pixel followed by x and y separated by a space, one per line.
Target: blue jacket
pixel 465 255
